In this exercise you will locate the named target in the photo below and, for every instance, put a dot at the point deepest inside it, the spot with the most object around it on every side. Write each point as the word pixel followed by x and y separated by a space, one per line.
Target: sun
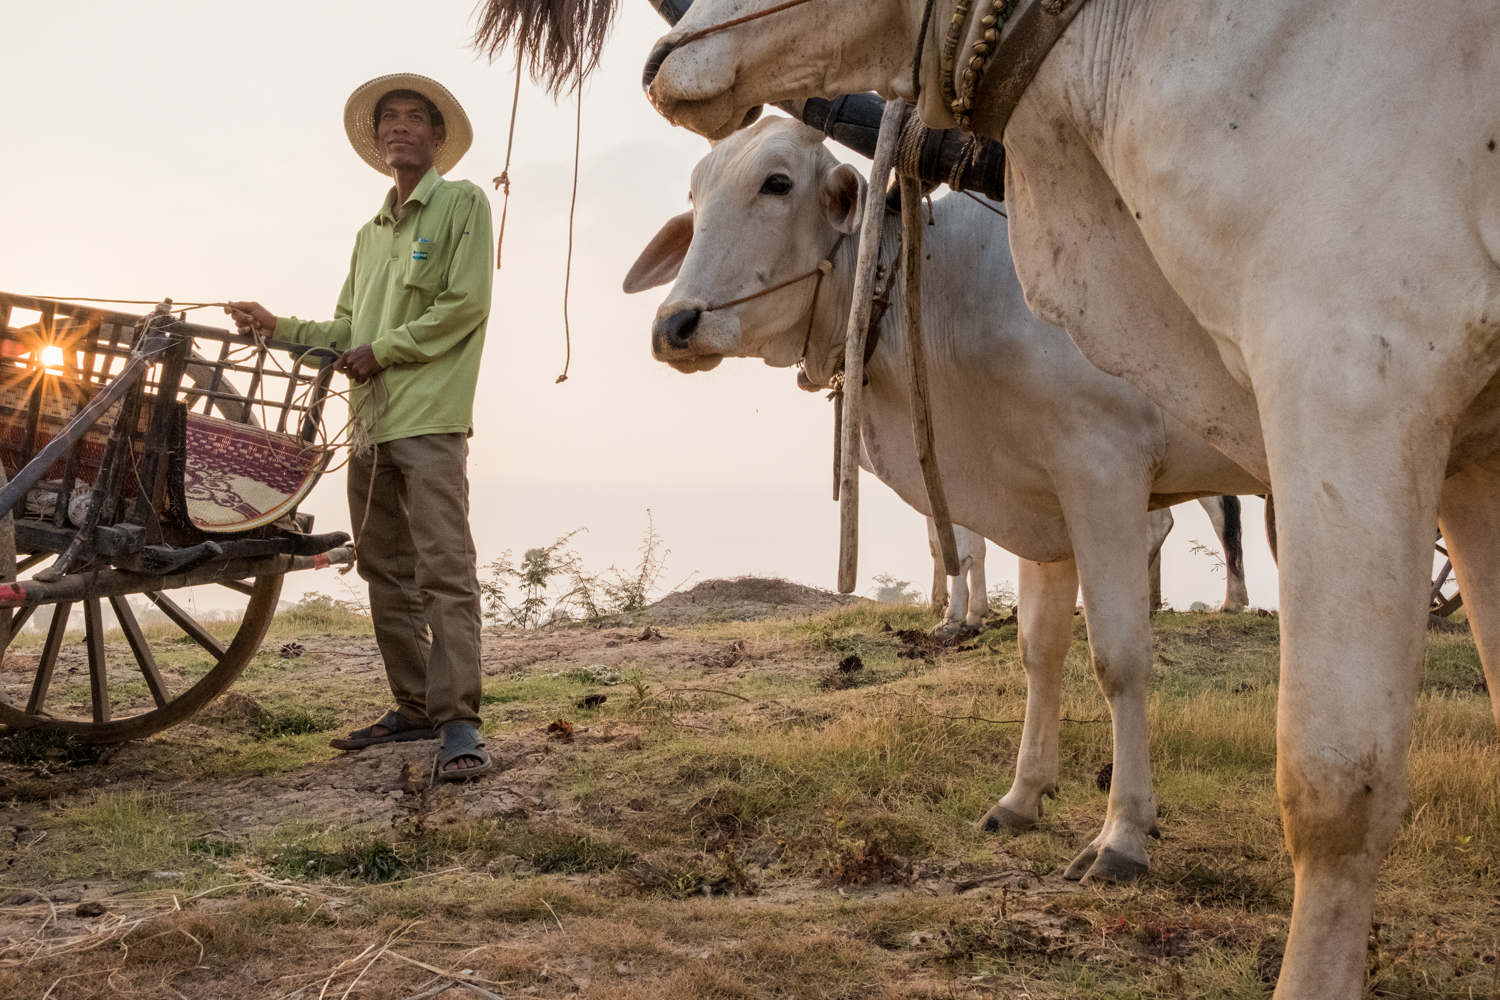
pixel 52 356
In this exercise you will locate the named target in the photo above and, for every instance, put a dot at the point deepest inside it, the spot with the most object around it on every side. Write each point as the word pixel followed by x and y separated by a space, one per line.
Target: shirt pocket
pixel 424 267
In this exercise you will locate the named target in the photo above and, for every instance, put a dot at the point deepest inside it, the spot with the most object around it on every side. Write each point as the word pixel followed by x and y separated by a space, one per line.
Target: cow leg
pixel 958 603
pixel 1470 518
pixel 1356 515
pixel 979 596
pixel 958 591
pixel 1224 512
pixel 1160 523
pixel 1110 551
pixel 939 572
pixel 1046 593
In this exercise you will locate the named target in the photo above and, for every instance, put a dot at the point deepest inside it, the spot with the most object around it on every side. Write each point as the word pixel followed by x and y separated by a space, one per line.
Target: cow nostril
pixel 653 63
pixel 679 327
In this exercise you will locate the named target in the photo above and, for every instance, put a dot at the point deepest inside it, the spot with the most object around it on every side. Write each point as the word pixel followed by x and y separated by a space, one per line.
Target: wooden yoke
pixel 916 369
pixel 854 343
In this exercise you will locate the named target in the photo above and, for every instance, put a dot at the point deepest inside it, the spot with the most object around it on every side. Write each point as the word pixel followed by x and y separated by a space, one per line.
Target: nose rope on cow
pixel 824 266
pixel 732 23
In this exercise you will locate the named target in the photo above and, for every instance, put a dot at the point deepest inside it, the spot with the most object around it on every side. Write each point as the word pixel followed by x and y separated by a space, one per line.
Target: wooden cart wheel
pixel 1443 605
pixel 171 707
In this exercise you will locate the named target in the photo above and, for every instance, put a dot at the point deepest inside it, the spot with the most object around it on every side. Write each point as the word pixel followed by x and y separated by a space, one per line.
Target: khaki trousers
pixel 417 555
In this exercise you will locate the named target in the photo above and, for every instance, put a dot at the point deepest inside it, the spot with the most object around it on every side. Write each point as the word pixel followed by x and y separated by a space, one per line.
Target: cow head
pixel 818 49
pixel 769 204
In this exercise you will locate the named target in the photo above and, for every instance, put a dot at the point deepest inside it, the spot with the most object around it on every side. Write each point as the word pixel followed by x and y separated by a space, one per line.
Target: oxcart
pixel 133 465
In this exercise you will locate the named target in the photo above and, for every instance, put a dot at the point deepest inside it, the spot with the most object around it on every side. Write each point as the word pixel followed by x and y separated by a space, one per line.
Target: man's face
pixel 406 135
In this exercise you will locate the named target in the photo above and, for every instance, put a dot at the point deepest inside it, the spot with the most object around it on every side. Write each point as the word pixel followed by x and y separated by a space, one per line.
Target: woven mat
pixel 239 477
pixel 61 399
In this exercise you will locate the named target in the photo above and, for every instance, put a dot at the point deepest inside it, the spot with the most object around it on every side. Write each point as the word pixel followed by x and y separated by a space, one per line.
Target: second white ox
pixel 970 601
pixel 1039 450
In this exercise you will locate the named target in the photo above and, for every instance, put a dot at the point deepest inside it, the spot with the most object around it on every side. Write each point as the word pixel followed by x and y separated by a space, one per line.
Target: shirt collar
pixel 423 192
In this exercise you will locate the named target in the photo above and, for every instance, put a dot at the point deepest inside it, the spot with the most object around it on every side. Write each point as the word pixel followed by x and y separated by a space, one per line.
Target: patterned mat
pixel 61 398
pixel 239 477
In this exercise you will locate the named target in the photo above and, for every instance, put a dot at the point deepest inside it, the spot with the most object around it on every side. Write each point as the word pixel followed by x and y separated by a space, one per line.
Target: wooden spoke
pixel 10 624
pixel 50 649
pixel 93 630
pixel 185 621
pixel 238 586
pixel 23 615
pixel 32 560
pixel 1441 582
pixel 142 650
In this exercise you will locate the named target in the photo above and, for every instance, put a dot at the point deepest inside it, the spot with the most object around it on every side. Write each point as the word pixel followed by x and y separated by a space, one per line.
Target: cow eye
pixel 776 184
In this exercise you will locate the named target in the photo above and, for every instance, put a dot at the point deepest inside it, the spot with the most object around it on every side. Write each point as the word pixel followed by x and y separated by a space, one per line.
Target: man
pixel 411 321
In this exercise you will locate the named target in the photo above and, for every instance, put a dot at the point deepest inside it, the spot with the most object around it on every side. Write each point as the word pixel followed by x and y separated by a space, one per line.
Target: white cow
pixel 1281 221
pixel 1039 450
pixel 970 601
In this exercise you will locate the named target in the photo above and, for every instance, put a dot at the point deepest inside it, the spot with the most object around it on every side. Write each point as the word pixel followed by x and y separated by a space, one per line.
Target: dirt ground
pixel 745 599
pixel 710 803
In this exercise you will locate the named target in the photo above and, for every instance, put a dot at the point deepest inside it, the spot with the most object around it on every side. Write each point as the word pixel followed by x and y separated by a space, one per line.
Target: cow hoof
pixel 948 631
pixel 1113 867
pixel 1001 818
pixel 1081 864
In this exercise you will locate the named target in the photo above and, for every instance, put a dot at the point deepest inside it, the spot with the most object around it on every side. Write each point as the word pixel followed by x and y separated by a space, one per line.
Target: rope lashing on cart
pixel 173 306
pixel 366 408
pixel 311 453
pixel 356 431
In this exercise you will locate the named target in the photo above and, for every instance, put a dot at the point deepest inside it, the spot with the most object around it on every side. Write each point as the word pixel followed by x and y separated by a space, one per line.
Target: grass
pixel 296 722
pixel 721 840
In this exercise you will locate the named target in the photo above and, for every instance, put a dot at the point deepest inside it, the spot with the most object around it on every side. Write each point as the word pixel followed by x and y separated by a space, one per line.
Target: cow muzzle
pixel 653 62
pixel 673 333
pixel 710 113
pixel 676 340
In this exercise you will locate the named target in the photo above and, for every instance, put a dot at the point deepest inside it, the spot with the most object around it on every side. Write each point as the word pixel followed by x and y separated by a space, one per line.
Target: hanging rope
pixel 572 205
pixel 504 179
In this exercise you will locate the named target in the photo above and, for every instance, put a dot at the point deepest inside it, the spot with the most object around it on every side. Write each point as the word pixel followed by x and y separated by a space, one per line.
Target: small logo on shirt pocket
pixel 420 248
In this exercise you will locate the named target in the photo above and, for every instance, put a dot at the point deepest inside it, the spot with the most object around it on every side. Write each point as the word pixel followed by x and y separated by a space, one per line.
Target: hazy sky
pixel 196 150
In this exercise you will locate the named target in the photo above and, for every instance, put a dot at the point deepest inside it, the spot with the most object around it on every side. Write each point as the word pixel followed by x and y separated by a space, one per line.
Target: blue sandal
pixel 461 740
pixel 400 731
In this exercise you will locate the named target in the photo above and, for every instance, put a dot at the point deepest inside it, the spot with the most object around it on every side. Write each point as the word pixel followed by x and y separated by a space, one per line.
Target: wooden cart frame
pixel 106 368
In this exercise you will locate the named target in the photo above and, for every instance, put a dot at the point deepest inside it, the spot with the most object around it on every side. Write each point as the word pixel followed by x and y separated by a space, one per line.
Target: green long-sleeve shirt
pixel 418 293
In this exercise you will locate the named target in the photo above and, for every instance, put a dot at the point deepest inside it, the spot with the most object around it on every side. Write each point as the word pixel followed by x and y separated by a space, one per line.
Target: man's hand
pixel 252 318
pixel 359 364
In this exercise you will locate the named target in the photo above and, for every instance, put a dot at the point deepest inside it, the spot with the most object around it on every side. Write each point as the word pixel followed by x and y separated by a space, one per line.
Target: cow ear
pixel 660 261
pixel 843 198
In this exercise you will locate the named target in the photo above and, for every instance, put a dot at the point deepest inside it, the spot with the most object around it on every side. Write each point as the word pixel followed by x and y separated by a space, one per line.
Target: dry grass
pixel 748 833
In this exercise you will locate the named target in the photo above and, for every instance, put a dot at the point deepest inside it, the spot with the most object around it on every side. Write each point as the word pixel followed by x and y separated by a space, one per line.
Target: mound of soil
pixel 742 599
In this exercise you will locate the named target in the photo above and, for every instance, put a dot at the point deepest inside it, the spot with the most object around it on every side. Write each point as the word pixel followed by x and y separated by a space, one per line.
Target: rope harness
pixel 825 266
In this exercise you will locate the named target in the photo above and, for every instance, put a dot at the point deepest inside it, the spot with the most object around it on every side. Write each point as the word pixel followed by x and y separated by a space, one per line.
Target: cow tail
pixel 1234 552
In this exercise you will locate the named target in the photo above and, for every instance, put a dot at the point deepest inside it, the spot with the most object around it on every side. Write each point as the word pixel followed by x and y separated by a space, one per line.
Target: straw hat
pixel 359 119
